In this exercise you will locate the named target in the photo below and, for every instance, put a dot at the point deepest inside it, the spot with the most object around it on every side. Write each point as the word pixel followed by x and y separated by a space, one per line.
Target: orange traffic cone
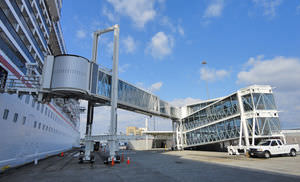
pixel 128 160
pixel 122 158
pixel 113 162
pixel 62 154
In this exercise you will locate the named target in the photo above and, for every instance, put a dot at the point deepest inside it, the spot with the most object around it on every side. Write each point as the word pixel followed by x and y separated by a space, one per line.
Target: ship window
pixel 42 109
pixel 24 120
pixel 5 114
pixel 35 123
pixel 38 107
pixel 46 128
pixel 33 103
pixel 39 125
pixel 20 97
pixel 27 99
pixel 16 117
pixel 46 111
pixel 43 127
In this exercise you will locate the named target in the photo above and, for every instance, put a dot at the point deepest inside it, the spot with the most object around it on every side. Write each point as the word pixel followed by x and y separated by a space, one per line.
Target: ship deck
pixel 160 166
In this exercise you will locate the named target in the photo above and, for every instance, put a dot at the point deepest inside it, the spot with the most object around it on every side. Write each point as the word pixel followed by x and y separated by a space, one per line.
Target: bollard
pixel 128 160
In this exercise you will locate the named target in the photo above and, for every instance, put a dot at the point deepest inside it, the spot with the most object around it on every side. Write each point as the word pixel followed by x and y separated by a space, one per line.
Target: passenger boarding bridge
pixel 72 76
pixel 242 118
pixel 245 116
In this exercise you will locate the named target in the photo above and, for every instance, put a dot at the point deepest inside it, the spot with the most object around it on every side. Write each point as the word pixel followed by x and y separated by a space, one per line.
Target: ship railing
pixel 21 84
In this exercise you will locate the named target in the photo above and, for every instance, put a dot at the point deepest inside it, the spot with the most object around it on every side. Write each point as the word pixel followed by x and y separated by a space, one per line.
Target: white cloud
pixel 214 9
pixel 140 11
pixel 269 6
pixel 180 30
pixel 80 34
pixel 160 46
pixel 165 21
pixel 123 68
pixel 211 75
pixel 111 17
pixel 110 48
pixel 129 44
pixel 184 101
pixel 282 73
pixel 280 70
pixel 298 9
pixel 156 86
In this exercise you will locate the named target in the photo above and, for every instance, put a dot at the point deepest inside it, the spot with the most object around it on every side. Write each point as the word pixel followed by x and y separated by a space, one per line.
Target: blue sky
pixel 163 43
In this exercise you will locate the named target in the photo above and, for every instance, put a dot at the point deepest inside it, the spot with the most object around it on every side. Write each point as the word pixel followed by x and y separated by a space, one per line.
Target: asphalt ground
pixel 159 166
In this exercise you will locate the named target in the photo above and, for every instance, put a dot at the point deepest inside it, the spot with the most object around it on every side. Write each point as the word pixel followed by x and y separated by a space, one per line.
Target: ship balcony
pixel 54 9
pixel 56 41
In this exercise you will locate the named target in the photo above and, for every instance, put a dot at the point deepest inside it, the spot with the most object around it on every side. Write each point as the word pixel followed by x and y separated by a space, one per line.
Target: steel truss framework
pixel 246 115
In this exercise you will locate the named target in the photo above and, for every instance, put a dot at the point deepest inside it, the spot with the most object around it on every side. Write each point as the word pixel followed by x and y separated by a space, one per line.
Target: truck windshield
pixel 264 143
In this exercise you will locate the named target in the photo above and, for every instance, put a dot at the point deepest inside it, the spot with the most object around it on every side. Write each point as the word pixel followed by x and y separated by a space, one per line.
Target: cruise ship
pixel 29 131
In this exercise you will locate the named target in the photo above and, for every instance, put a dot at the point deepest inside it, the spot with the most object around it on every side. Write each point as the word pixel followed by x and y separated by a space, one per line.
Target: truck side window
pixel 279 142
pixel 274 143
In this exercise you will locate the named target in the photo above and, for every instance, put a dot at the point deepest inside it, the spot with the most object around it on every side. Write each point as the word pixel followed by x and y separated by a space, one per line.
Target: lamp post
pixel 204 63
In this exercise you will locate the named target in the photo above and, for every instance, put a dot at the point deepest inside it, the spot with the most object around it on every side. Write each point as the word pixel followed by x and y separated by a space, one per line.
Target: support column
pixel 89 147
pixel 179 136
pixel 243 119
pixel 114 95
pixel 147 138
pixel 174 142
pixel 253 120
pixel 112 144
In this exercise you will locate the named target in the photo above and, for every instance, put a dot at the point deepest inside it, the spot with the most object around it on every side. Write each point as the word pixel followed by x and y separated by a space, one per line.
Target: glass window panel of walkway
pixel 221 109
pixel 225 130
pixel 264 126
pixel 261 101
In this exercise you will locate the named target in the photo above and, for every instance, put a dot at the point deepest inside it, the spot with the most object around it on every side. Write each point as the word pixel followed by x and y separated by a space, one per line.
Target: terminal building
pixel 242 118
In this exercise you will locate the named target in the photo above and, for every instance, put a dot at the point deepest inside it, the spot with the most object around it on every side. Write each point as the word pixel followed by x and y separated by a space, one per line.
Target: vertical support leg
pixel 243 119
pixel 113 148
pixel 174 142
pixel 147 138
pixel 88 132
pixel 179 136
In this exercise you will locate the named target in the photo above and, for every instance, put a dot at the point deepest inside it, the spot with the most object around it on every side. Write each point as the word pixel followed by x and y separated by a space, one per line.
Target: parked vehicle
pixel 272 147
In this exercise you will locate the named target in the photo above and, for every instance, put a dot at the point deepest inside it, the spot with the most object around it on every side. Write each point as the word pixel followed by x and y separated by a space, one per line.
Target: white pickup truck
pixel 271 147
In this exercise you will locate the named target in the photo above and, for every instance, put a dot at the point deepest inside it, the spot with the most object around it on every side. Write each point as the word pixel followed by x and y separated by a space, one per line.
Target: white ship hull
pixel 21 143
pixel 29 30
pixel 46 130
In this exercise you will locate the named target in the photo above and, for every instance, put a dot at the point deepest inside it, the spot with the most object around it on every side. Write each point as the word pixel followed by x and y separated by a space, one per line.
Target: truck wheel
pixel 267 154
pixel 293 152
